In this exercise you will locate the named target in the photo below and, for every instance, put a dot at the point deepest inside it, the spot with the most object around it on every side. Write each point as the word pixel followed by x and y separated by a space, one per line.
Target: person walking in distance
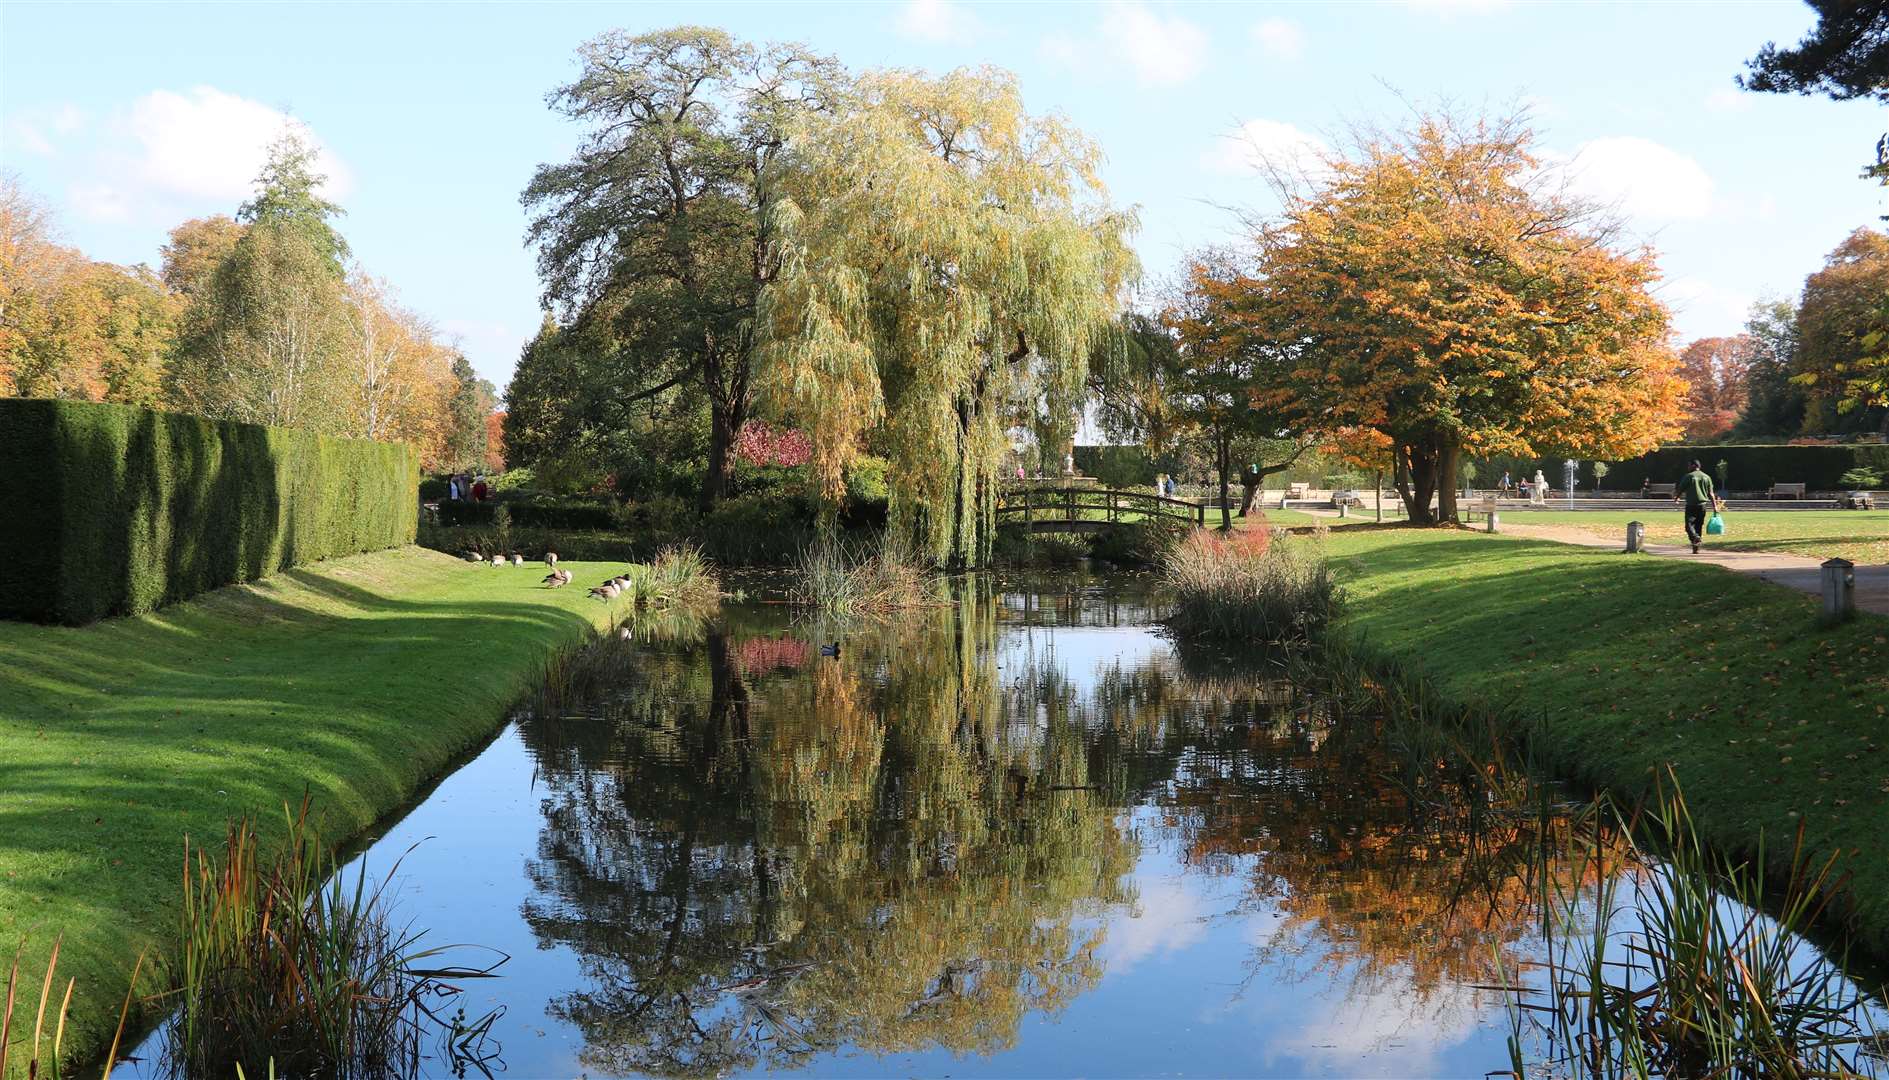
pixel 1696 489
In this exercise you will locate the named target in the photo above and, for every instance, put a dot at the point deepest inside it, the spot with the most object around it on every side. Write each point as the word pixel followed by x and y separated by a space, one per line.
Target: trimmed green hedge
pixel 1748 468
pixel 111 510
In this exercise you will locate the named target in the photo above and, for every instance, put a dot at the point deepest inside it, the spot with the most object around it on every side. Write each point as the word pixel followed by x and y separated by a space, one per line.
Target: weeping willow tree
pixel 945 255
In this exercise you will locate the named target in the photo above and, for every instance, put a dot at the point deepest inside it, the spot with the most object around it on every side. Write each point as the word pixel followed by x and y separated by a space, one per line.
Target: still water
pixel 1020 836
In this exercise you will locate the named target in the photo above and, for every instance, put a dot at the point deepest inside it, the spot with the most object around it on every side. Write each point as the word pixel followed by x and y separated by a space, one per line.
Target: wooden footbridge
pixel 1090 509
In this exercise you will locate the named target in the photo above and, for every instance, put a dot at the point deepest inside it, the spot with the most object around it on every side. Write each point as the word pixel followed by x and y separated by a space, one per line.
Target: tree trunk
pixel 1419 463
pixel 725 421
pixel 1448 456
pixel 1223 462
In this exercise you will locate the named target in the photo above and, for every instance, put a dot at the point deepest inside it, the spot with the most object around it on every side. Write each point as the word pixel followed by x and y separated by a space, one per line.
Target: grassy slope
pixel 1857 535
pixel 1636 662
pixel 360 678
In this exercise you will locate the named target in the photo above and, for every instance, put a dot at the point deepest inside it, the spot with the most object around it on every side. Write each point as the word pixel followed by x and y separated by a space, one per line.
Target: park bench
pixel 1661 491
pixel 1787 491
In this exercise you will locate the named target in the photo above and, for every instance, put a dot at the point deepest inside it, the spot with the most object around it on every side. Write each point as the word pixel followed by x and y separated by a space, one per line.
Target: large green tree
pixel 663 221
pixel 946 254
pixel 1843 337
pixel 1774 405
pixel 471 402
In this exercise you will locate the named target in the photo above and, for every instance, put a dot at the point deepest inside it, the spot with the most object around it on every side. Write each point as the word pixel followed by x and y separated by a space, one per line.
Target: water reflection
pixel 1024 835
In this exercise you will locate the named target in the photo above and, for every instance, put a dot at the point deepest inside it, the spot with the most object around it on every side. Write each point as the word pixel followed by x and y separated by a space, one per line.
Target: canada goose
pixel 557 578
pixel 830 650
pixel 625 634
pixel 472 557
pixel 498 560
pixel 551 559
pixel 607 591
pixel 517 559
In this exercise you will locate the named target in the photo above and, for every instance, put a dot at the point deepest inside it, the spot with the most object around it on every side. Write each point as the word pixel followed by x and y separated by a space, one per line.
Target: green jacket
pixel 1696 488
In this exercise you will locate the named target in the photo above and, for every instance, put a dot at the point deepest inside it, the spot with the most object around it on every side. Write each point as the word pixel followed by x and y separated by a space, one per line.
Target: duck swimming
pixel 830 650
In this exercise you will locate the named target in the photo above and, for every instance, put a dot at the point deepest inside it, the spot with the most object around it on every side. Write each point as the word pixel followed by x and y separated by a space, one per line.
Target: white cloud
pixel 1644 179
pixel 1280 39
pixel 937 21
pixel 1162 50
pixel 209 144
pixel 1261 145
pixel 99 202
pixel 171 153
pixel 1451 8
pixel 1703 309
pixel 39 131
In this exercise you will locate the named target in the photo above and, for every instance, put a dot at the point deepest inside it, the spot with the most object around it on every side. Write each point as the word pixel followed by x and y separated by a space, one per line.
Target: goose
pixel 607 591
pixel 517 559
pixel 551 559
pixel 498 560
pixel 557 578
pixel 625 634
pixel 473 557
pixel 830 650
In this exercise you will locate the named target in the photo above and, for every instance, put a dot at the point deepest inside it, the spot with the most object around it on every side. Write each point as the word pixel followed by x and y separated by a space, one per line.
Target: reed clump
pixel 286 968
pixel 839 577
pixel 679 575
pixel 1249 586
pixel 1672 966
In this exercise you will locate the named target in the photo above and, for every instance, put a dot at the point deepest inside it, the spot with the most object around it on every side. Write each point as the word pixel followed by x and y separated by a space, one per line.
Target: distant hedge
pixel 111 510
pixel 1748 468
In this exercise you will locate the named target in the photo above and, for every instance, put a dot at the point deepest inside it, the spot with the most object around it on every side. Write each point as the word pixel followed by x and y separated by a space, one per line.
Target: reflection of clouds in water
pixel 1346 1013
pixel 1337 1031
pixel 1167 918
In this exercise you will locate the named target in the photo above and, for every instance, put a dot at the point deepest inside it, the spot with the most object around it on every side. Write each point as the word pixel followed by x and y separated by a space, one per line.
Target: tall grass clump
pixel 839 577
pixel 679 575
pixel 1685 975
pixel 1246 586
pixel 285 968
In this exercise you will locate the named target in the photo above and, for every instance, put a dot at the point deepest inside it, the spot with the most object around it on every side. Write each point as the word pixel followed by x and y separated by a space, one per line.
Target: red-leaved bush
pixel 761 443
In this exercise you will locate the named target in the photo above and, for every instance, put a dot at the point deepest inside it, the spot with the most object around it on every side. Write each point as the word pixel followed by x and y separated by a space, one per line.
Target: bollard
pixel 1344 509
pixel 1839 590
pixel 1636 537
pixel 1493 525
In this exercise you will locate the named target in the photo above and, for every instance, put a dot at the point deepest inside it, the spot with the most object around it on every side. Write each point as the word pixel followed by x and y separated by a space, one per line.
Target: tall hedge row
pixel 1748 468
pixel 111 510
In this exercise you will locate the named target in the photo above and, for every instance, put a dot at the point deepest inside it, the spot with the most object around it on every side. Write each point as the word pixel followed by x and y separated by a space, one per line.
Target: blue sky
pixel 128 119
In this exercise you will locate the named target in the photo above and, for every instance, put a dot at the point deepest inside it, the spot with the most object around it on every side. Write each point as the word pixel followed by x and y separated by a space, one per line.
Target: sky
pixel 431 118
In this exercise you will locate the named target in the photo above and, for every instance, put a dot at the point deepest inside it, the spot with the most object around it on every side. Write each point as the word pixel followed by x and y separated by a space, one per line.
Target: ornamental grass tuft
pixel 1249 586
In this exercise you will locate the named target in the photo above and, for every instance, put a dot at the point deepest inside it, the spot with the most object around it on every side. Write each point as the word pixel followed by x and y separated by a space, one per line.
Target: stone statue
pixel 1069 464
pixel 1538 494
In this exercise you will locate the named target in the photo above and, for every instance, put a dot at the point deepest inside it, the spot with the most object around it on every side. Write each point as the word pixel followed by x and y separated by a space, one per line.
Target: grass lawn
pixel 1861 536
pixel 1633 664
pixel 360 679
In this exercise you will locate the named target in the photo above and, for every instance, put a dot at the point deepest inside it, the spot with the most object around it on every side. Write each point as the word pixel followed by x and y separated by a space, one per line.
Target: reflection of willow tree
pixel 753 871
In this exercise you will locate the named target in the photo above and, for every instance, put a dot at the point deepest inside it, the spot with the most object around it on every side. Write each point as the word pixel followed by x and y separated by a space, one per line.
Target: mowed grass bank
pixel 359 679
pixel 1632 664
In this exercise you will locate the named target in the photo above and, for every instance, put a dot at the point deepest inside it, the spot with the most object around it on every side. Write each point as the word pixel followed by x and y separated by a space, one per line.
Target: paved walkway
pixel 1792 571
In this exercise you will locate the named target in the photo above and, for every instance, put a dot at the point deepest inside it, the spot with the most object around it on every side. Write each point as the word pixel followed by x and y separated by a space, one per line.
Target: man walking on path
pixel 1696 488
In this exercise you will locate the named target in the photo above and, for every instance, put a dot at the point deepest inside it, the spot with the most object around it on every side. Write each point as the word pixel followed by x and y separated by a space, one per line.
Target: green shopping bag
pixel 1715 525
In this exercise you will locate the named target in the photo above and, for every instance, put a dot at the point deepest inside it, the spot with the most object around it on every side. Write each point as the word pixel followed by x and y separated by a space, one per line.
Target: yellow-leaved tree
pixel 1437 286
pixel 944 255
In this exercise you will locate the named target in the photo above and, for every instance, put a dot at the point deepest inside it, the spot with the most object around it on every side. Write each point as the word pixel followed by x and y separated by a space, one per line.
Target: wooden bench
pixel 1787 491
pixel 1661 491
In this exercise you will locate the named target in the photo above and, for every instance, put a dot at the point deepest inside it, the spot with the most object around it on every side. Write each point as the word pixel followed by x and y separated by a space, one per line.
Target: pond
pixel 1022 835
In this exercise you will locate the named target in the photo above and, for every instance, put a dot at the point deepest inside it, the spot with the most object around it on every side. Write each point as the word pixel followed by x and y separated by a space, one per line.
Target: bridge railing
pixel 1032 504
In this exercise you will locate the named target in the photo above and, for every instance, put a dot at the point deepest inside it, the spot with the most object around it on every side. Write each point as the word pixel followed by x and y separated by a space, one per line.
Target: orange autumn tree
pixel 1433 284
